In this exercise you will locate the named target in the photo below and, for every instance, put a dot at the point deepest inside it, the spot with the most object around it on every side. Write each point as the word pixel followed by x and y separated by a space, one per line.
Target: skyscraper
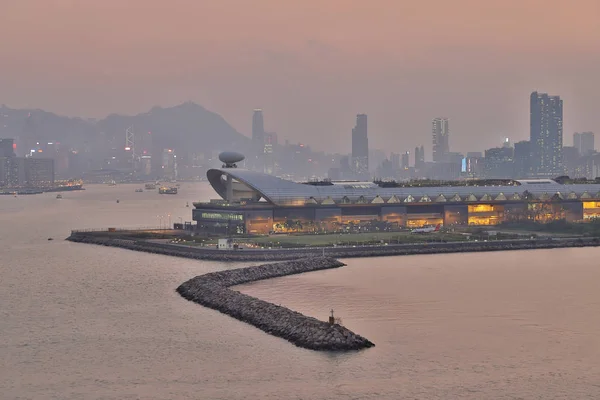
pixel 7 147
pixel 441 136
pixel 395 160
pixel 258 126
pixel 546 134
pixel 584 142
pixel 522 159
pixel 269 158
pixel 419 157
pixel 405 160
pixel 360 147
pixel 258 140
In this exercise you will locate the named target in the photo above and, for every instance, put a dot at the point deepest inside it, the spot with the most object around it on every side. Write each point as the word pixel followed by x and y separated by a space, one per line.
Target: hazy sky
pixel 312 65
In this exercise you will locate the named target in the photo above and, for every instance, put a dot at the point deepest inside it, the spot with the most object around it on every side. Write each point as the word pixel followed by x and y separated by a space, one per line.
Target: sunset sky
pixel 312 65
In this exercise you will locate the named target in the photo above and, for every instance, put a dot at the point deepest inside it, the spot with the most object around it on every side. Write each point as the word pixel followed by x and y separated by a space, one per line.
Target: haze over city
pixel 311 65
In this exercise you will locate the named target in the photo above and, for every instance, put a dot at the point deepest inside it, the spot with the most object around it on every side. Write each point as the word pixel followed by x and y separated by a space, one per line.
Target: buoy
pixel 117 200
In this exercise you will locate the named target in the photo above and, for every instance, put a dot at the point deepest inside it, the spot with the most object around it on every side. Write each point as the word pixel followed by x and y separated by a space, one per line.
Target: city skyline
pixel 387 70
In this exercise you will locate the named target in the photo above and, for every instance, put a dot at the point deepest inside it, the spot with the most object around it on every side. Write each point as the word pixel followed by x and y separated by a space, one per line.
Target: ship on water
pixel 167 190
pixel 60 187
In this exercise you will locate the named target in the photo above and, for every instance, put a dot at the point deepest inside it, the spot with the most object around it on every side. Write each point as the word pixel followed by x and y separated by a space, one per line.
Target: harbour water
pixel 89 322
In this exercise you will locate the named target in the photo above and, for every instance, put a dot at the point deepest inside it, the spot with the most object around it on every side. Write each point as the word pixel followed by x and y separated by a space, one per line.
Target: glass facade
pixel 315 218
pixel 485 214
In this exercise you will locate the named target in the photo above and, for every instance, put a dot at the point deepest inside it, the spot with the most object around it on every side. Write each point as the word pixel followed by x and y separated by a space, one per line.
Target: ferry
pixel 167 190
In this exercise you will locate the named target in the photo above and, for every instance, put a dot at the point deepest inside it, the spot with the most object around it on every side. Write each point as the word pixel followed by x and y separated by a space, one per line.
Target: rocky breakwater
pixel 213 291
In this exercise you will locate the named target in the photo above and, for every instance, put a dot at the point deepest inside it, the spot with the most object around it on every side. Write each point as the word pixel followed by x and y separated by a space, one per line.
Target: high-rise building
pixel 269 157
pixel 584 142
pixel 169 164
pixel 546 134
pixel 441 139
pixel 499 163
pixel 395 160
pixel 522 159
pixel 571 159
pixel 39 172
pixel 360 147
pixel 419 157
pixel 405 160
pixel 258 126
pixel 7 148
pixel 258 140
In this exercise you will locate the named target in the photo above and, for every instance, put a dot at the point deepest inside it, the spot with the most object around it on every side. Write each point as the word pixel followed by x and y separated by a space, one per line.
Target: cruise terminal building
pixel 257 203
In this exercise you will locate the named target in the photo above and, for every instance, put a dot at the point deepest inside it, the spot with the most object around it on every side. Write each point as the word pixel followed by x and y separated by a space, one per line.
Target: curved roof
pixel 284 192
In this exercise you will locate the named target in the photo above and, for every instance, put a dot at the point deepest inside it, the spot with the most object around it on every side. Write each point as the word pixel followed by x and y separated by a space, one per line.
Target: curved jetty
pixel 212 290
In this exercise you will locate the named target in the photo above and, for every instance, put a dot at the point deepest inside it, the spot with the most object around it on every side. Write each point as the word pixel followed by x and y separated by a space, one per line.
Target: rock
pixel 212 290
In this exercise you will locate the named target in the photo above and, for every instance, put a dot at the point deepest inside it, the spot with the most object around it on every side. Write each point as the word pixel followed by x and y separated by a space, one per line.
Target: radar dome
pixel 230 157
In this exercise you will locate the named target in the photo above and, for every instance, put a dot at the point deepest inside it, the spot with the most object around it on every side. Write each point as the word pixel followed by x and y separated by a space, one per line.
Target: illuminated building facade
pixel 546 134
pixel 39 172
pixel 257 203
pixel 584 143
pixel 169 164
pixel 441 139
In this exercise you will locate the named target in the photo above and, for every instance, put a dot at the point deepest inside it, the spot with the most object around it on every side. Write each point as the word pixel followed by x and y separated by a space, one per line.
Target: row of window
pixel 456 198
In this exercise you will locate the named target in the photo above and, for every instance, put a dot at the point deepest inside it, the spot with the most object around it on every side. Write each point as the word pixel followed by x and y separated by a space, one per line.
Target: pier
pixel 213 291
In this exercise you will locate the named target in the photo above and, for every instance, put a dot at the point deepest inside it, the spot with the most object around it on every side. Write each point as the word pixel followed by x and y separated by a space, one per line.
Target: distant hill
pixel 186 127
pixel 45 126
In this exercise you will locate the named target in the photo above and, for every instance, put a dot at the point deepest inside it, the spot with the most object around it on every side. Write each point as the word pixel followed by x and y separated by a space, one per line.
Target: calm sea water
pixel 87 322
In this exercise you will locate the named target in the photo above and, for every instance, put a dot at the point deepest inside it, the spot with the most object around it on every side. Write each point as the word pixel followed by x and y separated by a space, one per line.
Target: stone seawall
pixel 203 253
pixel 212 290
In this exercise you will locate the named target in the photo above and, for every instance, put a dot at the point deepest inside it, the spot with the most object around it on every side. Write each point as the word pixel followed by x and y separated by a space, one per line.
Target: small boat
pixel 187 204
pixel 150 186
pixel 112 183
pixel 139 190
pixel 117 200
pixel 59 196
pixel 50 238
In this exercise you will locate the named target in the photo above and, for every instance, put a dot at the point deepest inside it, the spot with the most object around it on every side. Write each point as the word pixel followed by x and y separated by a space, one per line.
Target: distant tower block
pixel 130 141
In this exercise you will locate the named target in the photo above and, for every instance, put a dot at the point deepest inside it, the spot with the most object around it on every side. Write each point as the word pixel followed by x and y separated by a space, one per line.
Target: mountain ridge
pixel 183 127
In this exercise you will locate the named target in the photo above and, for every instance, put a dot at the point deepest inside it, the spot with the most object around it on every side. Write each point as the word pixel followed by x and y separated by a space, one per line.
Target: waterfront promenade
pixel 127 240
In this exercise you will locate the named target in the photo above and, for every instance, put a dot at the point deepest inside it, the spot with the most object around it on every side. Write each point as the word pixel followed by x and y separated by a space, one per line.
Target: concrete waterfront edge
pixel 335 252
pixel 213 291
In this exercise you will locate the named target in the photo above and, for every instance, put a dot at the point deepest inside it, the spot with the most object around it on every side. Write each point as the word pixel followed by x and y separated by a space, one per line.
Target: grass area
pixel 561 227
pixel 344 239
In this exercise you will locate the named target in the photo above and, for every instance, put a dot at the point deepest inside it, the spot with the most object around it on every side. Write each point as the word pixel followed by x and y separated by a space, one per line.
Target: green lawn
pixel 345 239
